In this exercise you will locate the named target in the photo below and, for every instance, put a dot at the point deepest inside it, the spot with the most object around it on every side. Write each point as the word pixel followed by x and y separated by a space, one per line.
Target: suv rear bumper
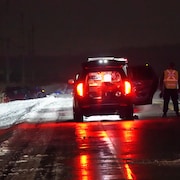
pixel 104 109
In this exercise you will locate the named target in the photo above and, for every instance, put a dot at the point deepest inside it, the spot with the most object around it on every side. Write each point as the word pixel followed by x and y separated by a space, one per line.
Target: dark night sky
pixel 64 27
pixel 61 27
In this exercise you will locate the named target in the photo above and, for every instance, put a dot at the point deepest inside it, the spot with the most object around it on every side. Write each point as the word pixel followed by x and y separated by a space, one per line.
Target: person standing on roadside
pixel 169 85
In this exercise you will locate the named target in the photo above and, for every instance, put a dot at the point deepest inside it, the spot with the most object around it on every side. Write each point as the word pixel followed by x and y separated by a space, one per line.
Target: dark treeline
pixel 40 69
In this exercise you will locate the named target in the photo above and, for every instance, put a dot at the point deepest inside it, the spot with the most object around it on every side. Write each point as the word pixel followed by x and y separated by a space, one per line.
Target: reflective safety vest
pixel 171 79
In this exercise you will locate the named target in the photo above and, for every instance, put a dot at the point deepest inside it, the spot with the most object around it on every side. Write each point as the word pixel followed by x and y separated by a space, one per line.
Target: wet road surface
pixel 119 150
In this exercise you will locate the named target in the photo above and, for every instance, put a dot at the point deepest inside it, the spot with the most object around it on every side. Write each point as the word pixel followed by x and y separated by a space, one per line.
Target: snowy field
pixel 36 110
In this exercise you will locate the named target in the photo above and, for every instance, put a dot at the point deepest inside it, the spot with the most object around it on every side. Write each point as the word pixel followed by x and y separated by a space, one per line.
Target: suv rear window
pixel 102 81
pixel 96 78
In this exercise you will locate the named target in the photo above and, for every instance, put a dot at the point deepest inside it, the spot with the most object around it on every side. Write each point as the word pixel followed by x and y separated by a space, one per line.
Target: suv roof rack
pixel 105 59
pixel 99 62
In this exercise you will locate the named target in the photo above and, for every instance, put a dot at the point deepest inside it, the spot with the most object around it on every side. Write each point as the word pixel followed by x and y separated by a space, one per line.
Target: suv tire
pixel 78 116
pixel 128 113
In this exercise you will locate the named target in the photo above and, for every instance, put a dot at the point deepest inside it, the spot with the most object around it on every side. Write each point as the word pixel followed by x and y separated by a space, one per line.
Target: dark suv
pixel 103 87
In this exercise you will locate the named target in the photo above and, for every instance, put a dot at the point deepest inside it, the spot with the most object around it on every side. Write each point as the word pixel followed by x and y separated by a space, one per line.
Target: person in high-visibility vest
pixel 169 84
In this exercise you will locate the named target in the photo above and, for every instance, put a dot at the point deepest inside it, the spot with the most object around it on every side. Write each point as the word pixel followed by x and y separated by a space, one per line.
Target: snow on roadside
pixel 49 109
pixel 15 112
pixel 12 112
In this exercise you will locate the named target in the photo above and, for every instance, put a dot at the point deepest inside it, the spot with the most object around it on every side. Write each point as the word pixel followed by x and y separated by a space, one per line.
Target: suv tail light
pixel 79 89
pixel 127 87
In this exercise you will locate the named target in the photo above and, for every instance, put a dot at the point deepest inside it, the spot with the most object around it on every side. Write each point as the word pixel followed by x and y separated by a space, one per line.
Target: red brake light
pixel 79 89
pixel 127 87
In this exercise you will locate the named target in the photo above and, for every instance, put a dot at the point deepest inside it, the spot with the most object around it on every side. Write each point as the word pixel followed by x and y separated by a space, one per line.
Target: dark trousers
pixel 173 95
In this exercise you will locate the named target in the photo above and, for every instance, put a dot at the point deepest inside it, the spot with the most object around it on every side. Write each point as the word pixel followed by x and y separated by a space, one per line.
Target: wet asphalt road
pixel 146 149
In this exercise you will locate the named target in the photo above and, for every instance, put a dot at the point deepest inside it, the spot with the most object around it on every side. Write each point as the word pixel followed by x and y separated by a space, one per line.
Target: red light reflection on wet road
pixel 83 166
pixel 98 157
pixel 87 151
pixel 83 162
pixel 128 172
pixel 128 136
